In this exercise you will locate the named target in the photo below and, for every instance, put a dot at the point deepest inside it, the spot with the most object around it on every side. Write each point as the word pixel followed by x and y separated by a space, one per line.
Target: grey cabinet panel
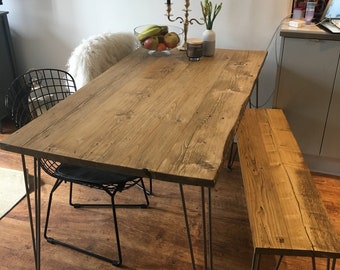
pixel 331 143
pixel 7 63
pixel 305 86
pixel 308 90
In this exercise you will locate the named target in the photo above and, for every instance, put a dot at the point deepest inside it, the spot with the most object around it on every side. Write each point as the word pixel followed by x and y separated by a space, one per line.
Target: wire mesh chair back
pixel 35 92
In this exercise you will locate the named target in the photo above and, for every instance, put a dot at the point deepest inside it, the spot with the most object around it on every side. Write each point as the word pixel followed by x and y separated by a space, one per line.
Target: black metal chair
pixel 29 96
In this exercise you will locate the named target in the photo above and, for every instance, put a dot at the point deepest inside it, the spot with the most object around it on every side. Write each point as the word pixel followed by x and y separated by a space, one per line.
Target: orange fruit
pixel 161 47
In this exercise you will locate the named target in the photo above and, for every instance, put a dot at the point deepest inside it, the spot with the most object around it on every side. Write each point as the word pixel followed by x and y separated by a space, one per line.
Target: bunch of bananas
pixel 157 37
pixel 151 31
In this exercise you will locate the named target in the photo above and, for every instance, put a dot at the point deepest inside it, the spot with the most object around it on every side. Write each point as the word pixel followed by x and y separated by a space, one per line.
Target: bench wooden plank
pixel 286 214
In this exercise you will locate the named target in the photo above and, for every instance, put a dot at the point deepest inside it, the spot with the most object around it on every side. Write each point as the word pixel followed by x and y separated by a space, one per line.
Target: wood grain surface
pixel 167 115
pixel 152 239
pixel 285 210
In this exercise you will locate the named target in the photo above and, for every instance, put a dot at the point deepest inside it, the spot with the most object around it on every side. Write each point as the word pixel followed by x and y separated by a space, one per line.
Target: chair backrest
pixel 36 91
pixel 33 93
pixel 98 53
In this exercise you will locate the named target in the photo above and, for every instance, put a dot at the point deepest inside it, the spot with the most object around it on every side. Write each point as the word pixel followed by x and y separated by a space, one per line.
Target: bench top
pixel 286 214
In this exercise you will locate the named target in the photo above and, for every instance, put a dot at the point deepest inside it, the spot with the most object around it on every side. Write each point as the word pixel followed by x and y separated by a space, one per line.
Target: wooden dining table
pixel 159 115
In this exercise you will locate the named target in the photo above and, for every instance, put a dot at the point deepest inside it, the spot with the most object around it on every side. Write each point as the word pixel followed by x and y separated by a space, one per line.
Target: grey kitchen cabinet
pixel 7 62
pixel 331 142
pixel 308 90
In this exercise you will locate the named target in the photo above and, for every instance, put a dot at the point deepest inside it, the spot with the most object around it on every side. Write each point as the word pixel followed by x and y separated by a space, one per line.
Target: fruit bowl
pixel 158 38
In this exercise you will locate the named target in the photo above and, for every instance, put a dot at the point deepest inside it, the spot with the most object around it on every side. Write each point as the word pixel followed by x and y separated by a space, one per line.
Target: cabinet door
pixel 7 68
pixel 331 142
pixel 304 88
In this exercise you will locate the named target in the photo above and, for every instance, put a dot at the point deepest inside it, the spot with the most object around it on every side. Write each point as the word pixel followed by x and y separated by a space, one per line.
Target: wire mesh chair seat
pixel 29 96
pixel 110 182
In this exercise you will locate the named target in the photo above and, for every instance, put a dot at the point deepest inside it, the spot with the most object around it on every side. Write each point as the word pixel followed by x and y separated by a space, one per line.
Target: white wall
pixel 45 32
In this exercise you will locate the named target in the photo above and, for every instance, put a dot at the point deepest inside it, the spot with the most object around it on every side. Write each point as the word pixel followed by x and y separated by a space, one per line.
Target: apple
pixel 171 40
pixel 151 43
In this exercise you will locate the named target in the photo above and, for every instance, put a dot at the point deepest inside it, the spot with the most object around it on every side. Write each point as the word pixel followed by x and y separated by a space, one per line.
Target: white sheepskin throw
pixel 98 53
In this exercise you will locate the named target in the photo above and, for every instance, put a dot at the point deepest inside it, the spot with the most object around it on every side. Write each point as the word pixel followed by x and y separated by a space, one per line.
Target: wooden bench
pixel 286 214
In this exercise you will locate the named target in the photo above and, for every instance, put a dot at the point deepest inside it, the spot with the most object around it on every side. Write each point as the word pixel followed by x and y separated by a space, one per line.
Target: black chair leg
pixel 233 154
pixel 145 193
pixel 55 241
pixel 119 261
pixel 114 262
pixel 78 205
pixel 149 175
pixel 56 185
pixel 148 192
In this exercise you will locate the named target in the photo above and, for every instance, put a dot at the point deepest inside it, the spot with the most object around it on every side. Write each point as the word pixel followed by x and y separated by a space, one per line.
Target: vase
pixel 209 39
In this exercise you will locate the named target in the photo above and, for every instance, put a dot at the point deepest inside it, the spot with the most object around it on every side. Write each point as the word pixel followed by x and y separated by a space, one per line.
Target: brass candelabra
pixel 184 20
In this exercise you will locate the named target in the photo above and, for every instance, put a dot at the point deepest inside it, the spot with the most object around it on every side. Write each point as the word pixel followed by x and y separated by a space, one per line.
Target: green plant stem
pixel 208 15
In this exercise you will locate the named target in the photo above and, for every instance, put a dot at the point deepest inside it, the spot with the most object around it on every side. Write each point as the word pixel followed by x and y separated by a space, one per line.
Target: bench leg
pixel 328 263
pixel 313 263
pixel 329 267
pixel 333 263
pixel 278 263
pixel 255 264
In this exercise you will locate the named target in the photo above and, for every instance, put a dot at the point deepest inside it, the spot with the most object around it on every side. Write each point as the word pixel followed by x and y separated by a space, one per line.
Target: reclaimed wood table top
pixel 286 213
pixel 167 115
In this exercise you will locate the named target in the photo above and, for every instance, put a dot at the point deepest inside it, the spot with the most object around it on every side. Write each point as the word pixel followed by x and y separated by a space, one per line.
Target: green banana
pixel 164 29
pixel 152 30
